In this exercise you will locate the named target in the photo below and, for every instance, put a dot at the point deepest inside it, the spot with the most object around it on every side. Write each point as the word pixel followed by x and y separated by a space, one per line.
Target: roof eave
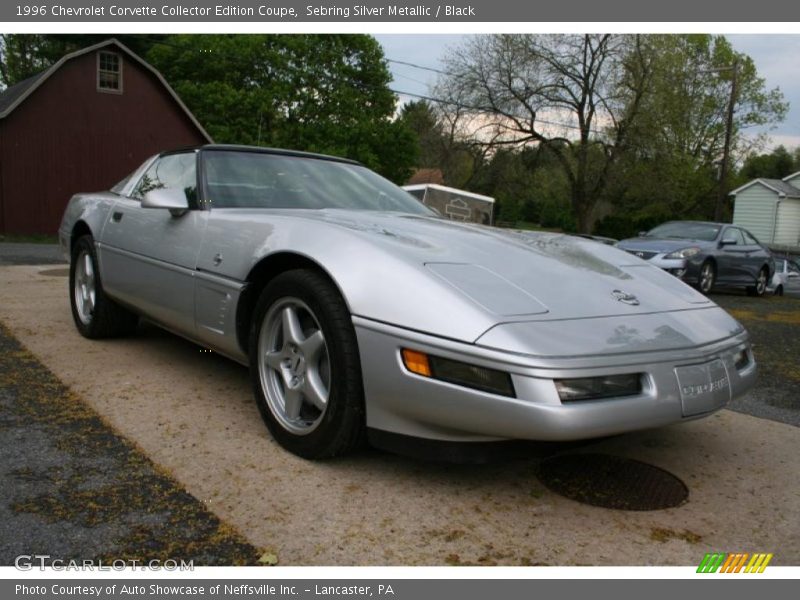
pixel 793 175
pixel 89 49
pixel 750 184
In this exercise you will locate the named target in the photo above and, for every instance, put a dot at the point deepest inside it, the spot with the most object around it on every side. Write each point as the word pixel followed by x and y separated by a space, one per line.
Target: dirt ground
pixel 192 414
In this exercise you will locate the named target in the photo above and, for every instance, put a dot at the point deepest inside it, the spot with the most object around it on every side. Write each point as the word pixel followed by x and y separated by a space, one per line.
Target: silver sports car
pixel 363 315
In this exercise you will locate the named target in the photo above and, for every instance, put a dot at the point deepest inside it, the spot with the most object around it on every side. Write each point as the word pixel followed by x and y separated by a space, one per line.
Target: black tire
pixel 760 287
pixel 103 318
pixel 707 277
pixel 310 431
pixel 779 291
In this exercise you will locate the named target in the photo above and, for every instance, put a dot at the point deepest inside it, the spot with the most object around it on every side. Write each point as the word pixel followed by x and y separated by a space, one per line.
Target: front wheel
pixel 305 367
pixel 708 276
pixel 761 284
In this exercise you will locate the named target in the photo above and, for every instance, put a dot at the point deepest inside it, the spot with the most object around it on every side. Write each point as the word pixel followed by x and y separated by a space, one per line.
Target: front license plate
pixel 703 387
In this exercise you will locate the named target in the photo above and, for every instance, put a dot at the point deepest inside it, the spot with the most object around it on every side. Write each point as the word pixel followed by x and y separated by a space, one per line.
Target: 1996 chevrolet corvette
pixel 364 315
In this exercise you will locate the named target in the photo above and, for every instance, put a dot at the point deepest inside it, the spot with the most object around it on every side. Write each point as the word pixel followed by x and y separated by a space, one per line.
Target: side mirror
pixel 170 198
pixel 723 243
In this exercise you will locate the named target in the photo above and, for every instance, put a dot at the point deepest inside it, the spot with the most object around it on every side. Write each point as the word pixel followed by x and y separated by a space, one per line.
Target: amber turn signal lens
pixel 458 373
pixel 416 362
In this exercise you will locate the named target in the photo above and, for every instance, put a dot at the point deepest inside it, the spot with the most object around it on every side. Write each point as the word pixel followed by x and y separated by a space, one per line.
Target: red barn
pixel 80 126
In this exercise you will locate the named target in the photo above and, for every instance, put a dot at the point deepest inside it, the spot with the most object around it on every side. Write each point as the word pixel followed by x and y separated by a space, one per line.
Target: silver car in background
pixel 786 279
pixel 706 254
pixel 363 315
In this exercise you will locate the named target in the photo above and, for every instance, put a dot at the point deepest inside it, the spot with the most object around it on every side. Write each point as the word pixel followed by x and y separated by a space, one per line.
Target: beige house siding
pixel 754 209
pixel 788 225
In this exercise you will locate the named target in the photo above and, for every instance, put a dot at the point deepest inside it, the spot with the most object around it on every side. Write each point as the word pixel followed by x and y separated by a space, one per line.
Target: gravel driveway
pixel 193 415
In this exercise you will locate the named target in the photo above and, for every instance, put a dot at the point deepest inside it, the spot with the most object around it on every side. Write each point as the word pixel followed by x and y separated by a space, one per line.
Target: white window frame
pixel 108 90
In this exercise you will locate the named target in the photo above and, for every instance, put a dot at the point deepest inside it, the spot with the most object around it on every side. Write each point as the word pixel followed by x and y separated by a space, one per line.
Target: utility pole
pixel 722 194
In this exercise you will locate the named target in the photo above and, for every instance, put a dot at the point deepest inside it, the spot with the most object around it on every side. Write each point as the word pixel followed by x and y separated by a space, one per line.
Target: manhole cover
pixel 612 482
pixel 55 272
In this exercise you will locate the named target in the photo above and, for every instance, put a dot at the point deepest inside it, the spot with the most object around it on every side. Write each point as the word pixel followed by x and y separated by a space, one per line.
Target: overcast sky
pixel 777 58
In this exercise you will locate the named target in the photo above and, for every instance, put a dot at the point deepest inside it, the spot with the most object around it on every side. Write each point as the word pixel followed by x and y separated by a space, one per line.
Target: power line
pixel 485 109
pixel 415 66
pixel 410 78
pixel 446 102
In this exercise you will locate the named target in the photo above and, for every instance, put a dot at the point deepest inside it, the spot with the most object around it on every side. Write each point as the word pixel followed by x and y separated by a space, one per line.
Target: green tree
pixel 421 118
pixel 776 165
pixel 575 95
pixel 319 93
pixel 671 167
pixel 440 144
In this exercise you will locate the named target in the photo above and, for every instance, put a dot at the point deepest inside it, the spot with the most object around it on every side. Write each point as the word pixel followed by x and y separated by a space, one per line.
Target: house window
pixel 109 72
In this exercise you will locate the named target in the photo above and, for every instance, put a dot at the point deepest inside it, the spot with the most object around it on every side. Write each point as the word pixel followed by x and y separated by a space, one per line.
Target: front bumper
pixel 401 402
pixel 685 269
pixel 676 266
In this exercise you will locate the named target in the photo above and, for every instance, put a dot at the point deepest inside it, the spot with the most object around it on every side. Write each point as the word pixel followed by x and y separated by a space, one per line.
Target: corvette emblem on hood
pixel 625 297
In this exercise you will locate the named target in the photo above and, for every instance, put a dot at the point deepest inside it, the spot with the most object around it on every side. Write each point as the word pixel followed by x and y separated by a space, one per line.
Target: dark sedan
pixel 706 254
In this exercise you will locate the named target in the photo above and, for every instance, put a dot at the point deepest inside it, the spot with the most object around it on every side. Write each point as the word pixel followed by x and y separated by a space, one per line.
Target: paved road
pixel 30 254
pixel 774 326
pixel 71 488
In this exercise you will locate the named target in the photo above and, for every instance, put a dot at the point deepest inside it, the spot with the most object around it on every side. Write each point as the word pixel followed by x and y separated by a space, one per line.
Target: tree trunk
pixel 581 208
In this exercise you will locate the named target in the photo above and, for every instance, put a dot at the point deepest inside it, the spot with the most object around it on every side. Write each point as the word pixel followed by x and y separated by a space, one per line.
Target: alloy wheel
pixel 84 287
pixel 294 366
pixel 706 278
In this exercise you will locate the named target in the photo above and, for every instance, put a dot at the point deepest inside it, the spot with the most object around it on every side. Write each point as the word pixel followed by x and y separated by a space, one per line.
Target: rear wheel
pixel 95 314
pixel 305 366
pixel 708 276
pixel 761 284
pixel 779 290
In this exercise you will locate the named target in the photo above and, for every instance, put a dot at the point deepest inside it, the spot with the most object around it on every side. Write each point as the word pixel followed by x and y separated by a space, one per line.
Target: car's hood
pixel 666 245
pixel 520 275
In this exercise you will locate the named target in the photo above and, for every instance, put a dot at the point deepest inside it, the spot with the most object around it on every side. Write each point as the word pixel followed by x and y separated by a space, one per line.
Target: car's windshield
pixel 236 179
pixel 685 231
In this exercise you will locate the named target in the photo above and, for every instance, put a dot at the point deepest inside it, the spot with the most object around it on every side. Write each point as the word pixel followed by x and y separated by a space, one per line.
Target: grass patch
pixel 662 534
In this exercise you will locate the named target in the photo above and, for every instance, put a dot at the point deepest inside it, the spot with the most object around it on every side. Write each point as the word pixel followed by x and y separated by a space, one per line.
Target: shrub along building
pixel 82 125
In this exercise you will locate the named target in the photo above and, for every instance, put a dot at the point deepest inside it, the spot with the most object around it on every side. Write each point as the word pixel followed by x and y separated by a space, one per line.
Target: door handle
pixel 117 217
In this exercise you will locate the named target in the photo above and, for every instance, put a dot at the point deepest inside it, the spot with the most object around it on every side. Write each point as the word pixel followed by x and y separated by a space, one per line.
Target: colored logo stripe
pixel 711 562
pixel 758 563
pixel 734 562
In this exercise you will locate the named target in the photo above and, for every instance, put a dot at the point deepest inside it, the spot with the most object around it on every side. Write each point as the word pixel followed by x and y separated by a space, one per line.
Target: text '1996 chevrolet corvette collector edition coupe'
pixel 364 315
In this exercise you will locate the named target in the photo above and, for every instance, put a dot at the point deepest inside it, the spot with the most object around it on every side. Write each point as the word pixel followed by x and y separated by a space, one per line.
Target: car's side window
pixel 749 239
pixel 732 236
pixel 173 171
